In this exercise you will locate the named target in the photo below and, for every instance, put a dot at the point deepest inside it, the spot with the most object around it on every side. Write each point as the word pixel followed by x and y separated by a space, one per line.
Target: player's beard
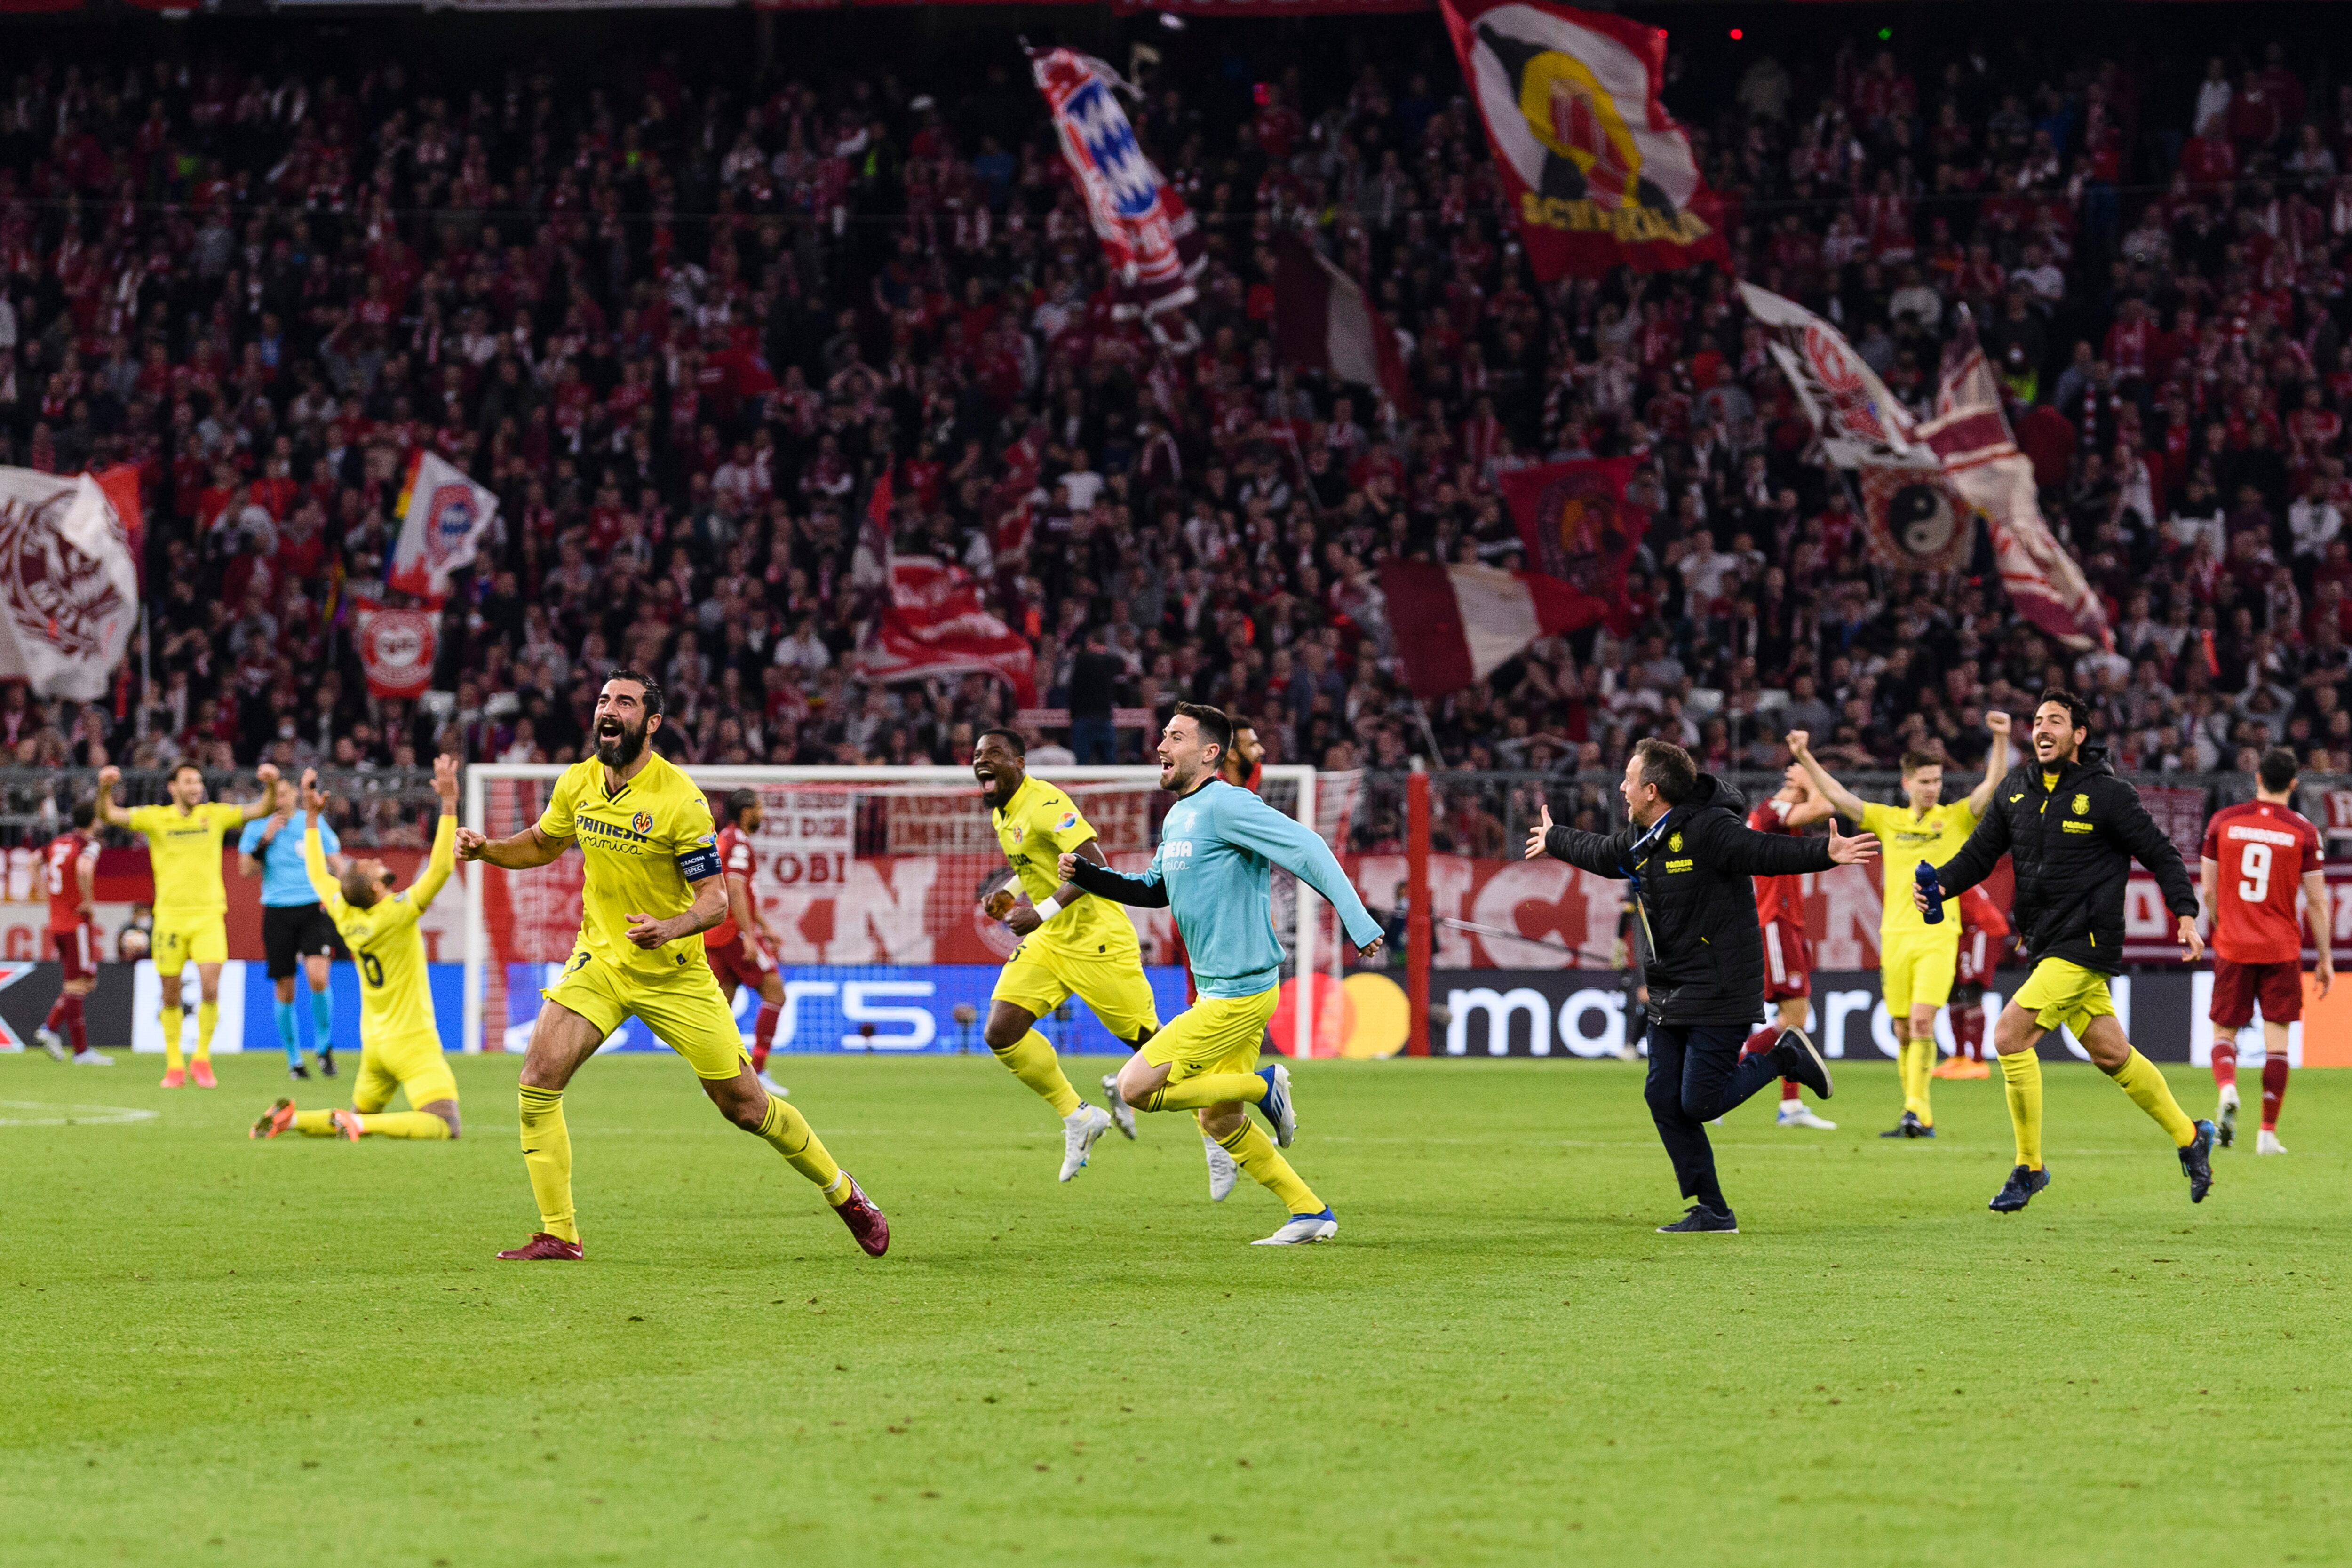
pixel 618 751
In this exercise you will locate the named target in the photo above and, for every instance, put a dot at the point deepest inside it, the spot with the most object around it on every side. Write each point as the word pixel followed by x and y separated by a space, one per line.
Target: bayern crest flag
pixel 68 581
pixel 397 649
pixel 1596 169
pixel 444 518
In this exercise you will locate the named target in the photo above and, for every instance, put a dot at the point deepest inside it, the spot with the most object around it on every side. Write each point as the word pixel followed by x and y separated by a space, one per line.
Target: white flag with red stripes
pixel 1453 625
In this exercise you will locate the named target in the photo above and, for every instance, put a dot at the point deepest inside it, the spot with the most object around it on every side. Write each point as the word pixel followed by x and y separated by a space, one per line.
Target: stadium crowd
pixel 681 318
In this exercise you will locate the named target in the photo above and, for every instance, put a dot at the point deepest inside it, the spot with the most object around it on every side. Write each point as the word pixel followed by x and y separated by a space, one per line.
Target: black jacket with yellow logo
pixel 1693 866
pixel 2072 848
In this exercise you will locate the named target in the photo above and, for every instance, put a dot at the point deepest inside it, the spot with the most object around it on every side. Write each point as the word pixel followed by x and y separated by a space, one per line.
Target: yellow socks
pixel 173 1020
pixel 421 1124
pixel 1210 1088
pixel 788 1132
pixel 207 1015
pixel 547 1155
pixel 1916 1060
pixel 2021 1079
pixel 315 1124
pixel 1032 1060
pixel 1254 1151
pixel 2140 1079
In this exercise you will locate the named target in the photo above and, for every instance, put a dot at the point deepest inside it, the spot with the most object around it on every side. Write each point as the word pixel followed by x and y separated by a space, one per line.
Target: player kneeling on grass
pixel 400 1048
pixel 2257 855
pixel 1212 871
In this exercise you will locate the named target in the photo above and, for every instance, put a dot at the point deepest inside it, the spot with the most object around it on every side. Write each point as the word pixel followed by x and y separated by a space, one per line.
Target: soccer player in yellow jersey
pixel 183 848
pixel 1916 961
pixel 1069 943
pixel 653 885
pixel 400 1048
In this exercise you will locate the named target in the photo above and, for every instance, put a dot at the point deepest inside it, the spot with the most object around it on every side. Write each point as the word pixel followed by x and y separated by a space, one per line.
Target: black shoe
pixel 2197 1162
pixel 326 1064
pixel 2019 1190
pixel 1802 1062
pixel 1702 1220
pixel 298 1071
pixel 1909 1127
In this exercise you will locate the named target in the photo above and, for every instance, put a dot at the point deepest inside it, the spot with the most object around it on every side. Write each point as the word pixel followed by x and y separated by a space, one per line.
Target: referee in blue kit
pixel 295 931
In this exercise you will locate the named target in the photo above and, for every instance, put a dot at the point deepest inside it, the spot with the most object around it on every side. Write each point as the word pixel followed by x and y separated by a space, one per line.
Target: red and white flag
pixel 1597 171
pixel 1580 527
pixel 69 580
pixel 444 518
pixel 1971 437
pixel 1322 321
pixel 1859 420
pixel 936 624
pixel 397 649
pixel 1452 625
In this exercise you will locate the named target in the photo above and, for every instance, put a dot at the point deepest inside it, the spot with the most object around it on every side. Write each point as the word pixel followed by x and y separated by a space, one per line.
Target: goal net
pixel 871 880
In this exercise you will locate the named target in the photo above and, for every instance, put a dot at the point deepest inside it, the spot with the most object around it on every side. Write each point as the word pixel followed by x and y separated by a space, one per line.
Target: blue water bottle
pixel 1926 874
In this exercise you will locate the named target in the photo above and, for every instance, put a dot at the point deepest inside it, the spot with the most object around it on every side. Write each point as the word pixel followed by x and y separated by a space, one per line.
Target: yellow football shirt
pixel 1036 828
pixel 1906 841
pixel 396 994
pixel 644 846
pixel 184 850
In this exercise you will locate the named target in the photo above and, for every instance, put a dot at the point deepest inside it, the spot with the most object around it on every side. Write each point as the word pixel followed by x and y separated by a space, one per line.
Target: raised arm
pixel 1996 764
pixel 1718 840
pixel 314 856
pixel 108 813
pixel 1603 854
pixel 1147 891
pixel 444 858
pixel 1300 850
pixel 266 801
pixel 1848 804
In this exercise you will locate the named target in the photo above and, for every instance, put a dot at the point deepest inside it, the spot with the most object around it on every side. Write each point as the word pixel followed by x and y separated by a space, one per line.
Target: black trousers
pixel 1697 1074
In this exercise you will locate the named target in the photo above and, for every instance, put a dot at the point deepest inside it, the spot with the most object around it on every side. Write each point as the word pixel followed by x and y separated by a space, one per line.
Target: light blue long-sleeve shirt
pixel 1217 850
pixel 284 883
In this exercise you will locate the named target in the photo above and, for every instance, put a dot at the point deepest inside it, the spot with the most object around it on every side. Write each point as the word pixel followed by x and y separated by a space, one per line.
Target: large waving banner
pixel 1598 173
pixel 69 580
pixel 1148 236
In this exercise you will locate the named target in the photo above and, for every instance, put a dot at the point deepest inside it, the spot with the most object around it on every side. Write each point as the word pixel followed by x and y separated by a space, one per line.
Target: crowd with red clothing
pixel 681 312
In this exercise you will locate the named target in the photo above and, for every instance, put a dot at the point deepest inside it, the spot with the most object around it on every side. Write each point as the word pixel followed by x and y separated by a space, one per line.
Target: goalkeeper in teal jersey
pixel 1217 850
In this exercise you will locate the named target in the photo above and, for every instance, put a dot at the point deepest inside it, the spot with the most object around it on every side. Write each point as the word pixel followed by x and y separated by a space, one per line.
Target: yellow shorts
pixel 1037 978
pixel 181 939
pixel 1215 1034
pixel 2060 992
pixel 412 1062
pixel 688 1012
pixel 1917 967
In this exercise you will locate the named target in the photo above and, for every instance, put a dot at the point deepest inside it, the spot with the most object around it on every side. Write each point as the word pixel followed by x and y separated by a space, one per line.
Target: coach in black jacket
pixel 2072 830
pixel 1689 856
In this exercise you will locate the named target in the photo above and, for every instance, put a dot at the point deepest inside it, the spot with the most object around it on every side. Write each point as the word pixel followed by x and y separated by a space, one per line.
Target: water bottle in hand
pixel 1934 891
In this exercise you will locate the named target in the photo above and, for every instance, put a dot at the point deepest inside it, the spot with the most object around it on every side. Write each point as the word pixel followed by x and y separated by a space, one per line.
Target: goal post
pixel 876 847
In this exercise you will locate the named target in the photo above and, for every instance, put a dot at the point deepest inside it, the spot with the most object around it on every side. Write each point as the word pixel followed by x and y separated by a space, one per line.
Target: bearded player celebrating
pixel 652 887
pixel 2257 856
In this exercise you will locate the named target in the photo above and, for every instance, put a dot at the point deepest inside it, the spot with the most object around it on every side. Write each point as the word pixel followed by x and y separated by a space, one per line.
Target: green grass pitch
pixel 219 1352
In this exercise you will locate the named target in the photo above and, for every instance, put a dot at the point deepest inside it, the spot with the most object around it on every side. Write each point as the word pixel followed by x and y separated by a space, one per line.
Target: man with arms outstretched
pixel 1688 857
pixel 183 846
pixel 1213 869
pixel 2072 830
pixel 399 1045
pixel 652 887
pixel 1918 963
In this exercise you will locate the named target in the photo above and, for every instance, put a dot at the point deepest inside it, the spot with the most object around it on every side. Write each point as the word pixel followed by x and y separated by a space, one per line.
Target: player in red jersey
pixel 740 949
pixel 2257 855
pixel 1788 953
pixel 1984 940
pixel 69 871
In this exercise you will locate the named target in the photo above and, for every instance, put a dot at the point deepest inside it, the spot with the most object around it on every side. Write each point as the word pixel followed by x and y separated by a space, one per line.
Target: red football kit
pixel 2261 853
pixel 1780 913
pixel 72 936
pixel 722 944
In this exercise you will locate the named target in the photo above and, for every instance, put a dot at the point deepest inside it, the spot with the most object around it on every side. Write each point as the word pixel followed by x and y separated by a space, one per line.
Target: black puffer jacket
pixel 2072 848
pixel 1693 866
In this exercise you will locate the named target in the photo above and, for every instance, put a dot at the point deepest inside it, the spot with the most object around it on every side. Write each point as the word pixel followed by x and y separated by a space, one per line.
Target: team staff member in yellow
pixel 183 848
pixel 652 885
pixel 1069 943
pixel 400 1048
pixel 1916 961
